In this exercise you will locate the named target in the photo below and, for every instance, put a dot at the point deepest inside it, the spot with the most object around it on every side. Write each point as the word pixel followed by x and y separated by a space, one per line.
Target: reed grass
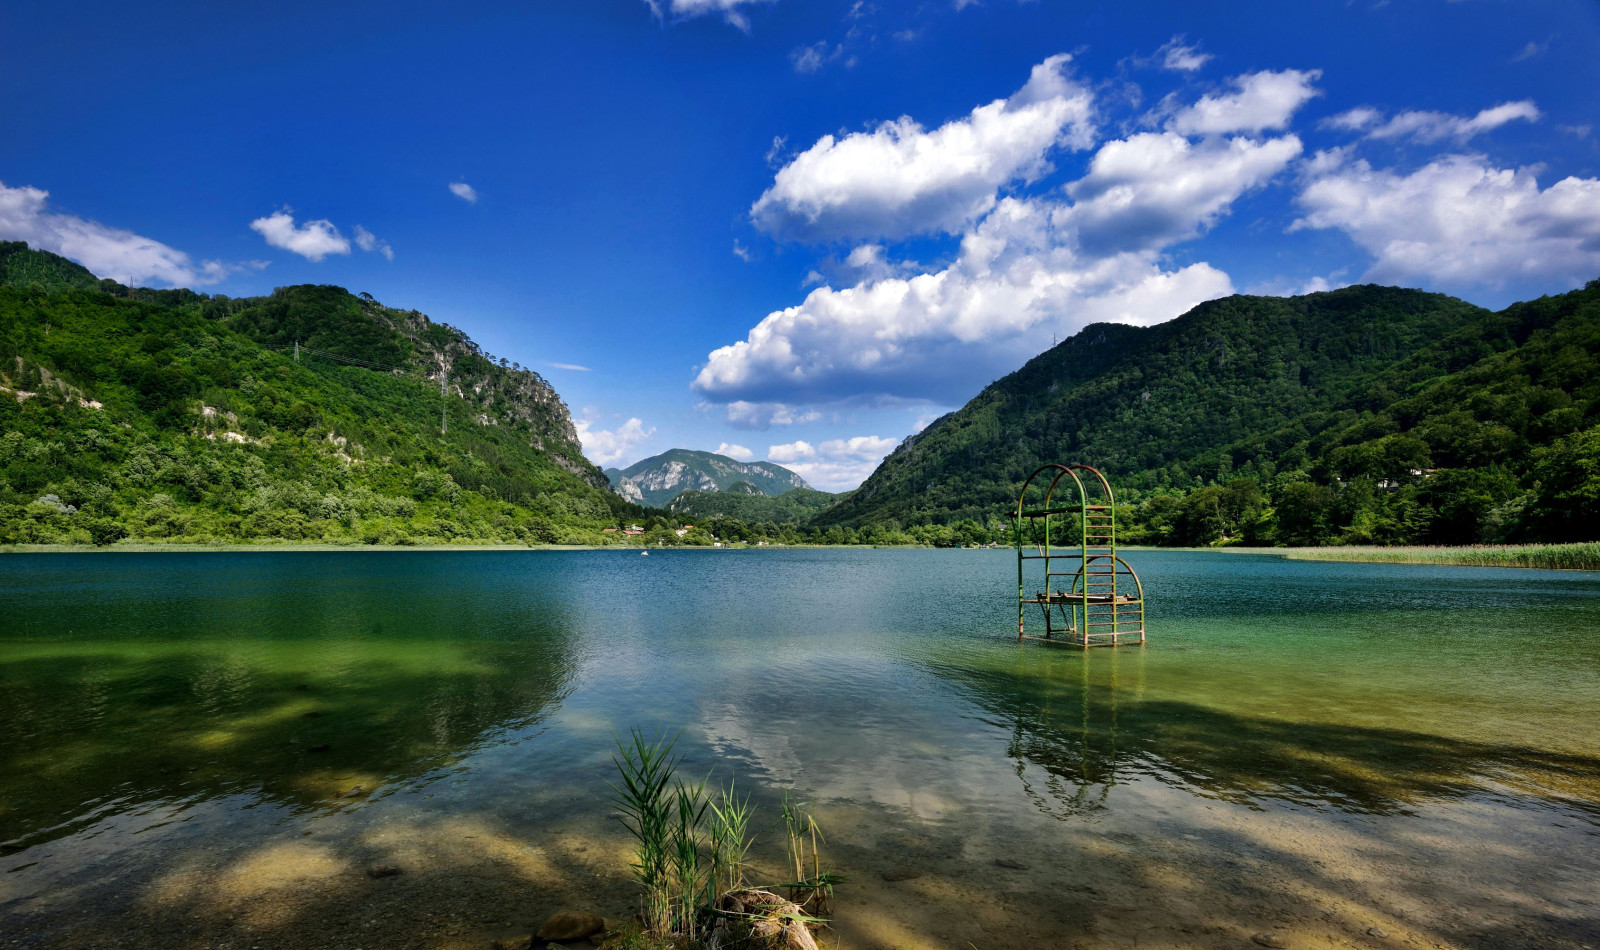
pixel 690 843
pixel 813 889
pixel 1584 556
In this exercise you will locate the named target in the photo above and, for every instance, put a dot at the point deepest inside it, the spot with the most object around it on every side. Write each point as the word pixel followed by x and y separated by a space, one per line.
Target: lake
pixel 209 749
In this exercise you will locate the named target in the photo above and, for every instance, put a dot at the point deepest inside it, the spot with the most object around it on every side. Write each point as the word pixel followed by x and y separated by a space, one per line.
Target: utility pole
pixel 297 351
pixel 444 377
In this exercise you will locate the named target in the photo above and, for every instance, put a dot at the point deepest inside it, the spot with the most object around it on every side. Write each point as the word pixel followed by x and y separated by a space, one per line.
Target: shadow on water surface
pixel 1082 723
pixel 164 699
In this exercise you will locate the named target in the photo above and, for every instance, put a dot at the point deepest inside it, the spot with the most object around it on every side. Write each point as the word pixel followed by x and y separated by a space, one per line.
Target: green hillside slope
pixel 169 415
pixel 1368 414
pixel 743 502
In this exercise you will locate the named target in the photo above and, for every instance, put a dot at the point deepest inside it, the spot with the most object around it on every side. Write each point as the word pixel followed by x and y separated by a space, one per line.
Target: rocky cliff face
pixel 498 392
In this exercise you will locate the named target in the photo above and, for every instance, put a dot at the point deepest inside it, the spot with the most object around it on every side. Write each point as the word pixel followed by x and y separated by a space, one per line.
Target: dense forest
pixel 1368 415
pixel 308 415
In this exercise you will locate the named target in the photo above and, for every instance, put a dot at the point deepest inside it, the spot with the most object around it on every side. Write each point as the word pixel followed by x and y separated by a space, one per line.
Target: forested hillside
pixel 744 502
pixel 1363 415
pixel 171 415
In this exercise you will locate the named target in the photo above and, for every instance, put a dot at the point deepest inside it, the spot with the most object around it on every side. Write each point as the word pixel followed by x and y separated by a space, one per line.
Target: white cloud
pixel 742 252
pixel 1179 56
pixel 1264 100
pixel 1531 51
pixel 938 335
pixel 607 447
pixel 688 9
pixel 368 241
pixel 810 59
pixel 735 451
pixel 791 452
pixel 313 240
pixel 569 366
pixel 1031 269
pixel 108 252
pixel 900 179
pixel 1457 221
pixel 762 415
pixel 1429 127
pixel 464 191
pixel 1353 120
pixel 1157 188
pixel 835 465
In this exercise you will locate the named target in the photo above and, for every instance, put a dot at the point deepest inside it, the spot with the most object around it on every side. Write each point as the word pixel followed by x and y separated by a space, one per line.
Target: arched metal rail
pixel 1103 604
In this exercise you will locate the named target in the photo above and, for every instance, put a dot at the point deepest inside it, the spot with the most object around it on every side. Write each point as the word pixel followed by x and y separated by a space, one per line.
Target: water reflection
pixel 173 693
pixel 1080 724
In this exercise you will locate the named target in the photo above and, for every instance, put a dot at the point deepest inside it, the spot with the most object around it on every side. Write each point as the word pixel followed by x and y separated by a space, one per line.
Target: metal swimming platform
pixel 1098 600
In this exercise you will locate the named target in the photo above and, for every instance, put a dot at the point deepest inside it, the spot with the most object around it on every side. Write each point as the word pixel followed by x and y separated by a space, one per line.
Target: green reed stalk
pixel 646 768
pixel 730 841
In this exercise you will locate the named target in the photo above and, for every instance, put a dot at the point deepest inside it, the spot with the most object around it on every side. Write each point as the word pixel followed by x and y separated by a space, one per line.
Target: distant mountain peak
pixel 657 480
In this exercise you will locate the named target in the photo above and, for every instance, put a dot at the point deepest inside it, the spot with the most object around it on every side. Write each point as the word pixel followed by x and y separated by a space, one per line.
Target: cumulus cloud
pixel 1264 100
pixel 834 465
pixel 313 240
pixel 791 451
pixel 606 447
pixel 368 241
pixel 936 335
pixel 688 9
pixel 1179 56
pixel 901 179
pixel 464 191
pixel 735 451
pixel 1155 189
pixel 1457 221
pixel 1032 268
pixel 109 252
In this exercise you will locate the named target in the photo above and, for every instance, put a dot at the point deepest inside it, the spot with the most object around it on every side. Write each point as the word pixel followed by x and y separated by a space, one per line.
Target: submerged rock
pixel 519 942
pixel 1010 863
pixel 763 919
pixel 1270 940
pixel 382 870
pixel 571 925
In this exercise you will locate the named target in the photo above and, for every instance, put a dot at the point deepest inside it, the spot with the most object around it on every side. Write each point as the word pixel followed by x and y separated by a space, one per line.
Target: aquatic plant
pixel 1559 557
pixel 690 846
pixel 643 798
pixel 814 890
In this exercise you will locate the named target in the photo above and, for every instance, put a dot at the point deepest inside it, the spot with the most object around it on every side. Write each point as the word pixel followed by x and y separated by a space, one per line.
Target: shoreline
pixel 1574 556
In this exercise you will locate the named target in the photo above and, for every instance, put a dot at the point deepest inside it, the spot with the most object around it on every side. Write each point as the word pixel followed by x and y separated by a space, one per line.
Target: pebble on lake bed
pixel 1270 940
pixel 1009 863
pixel 382 870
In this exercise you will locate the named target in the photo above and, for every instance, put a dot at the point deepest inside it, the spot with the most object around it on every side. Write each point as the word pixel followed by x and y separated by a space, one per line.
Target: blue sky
pixel 801 230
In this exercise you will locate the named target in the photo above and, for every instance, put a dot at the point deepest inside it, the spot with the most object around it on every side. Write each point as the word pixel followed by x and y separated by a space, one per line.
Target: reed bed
pixel 1584 556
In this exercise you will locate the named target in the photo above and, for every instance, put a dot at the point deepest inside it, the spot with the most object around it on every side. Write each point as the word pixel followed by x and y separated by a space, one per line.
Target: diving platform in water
pixel 1090 596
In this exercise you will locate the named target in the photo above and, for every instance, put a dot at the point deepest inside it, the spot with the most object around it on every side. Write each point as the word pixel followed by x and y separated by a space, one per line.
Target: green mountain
pixel 25 268
pixel 172 415
pixel 657 480
pixel 742 501
pixel 1368 414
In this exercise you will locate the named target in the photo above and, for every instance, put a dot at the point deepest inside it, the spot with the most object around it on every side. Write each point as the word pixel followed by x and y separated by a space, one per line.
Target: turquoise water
pixel 1333 723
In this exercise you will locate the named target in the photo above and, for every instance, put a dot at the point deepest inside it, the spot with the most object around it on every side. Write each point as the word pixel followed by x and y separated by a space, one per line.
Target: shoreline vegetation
pixel 1576 556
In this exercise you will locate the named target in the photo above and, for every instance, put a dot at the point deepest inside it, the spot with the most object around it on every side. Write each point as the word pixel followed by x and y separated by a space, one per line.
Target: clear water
pixel 1410 747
